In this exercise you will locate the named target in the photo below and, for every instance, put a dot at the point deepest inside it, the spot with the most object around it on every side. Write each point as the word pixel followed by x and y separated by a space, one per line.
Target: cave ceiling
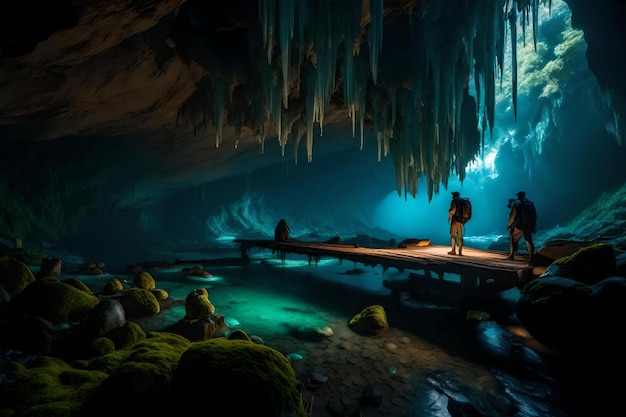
pixel 201 83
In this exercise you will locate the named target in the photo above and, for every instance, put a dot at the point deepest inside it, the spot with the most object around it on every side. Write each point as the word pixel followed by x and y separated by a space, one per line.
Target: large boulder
pixel 138 302
pixel 103 318
pixel 15 275
pixel 554 310
pixel 113 286
pixel 53 300
pixel 144 280
pixel 249 378
pixel 50 387
pixel 588 264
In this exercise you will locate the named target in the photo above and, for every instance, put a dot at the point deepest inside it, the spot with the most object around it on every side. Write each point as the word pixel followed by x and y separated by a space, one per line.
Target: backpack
pixel 463 210
pixel 527 215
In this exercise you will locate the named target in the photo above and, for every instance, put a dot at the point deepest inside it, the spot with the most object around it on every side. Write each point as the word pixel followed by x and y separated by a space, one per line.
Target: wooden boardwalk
pixel 477 270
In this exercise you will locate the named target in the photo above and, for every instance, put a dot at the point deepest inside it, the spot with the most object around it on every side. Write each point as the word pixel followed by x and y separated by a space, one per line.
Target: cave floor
pixel 439 357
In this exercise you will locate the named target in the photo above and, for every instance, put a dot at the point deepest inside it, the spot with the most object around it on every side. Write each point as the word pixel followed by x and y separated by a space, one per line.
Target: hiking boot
pixel 452 252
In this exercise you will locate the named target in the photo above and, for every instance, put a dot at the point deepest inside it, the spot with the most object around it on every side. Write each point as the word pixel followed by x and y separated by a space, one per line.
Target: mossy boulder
pixel 589 264
pixel 132 381
pixel 160 294
pixel 371 321
pixel 197 304
pixel 138 302
pixel 112 287
pixel 144 280
pixel 98 347
pixel 256 379
pixel 78 284
pixel 127 335
pixel 143 374
pixel 15 275
pixel 53 300
pixel 50 387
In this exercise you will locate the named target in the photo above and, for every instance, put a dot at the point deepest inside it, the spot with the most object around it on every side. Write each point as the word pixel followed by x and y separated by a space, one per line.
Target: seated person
pixel 281 232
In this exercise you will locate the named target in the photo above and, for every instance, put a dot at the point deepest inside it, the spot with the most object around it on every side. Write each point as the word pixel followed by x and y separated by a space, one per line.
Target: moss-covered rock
pixel 144 280
pixel 256 379
pixel 112 287
pixel 15 275
pixel 371 321
pixel 160 294
pixel 197 304
pixel 127 335
pixel 99 347
pixel 53 300
pixel 50 388
pixel 78 284
pixel 589 264
pixel 138 302
pixel 143 374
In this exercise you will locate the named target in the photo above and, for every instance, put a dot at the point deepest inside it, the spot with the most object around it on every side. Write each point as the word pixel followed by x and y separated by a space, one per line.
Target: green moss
pixel 107 363
pixel 127 336
pixel 12 368
pixel 14 274
pixel 158 347
pixel 139 302
pixel 112 287
pixel 591 250
pixel 78 284
pixel 144 280
pixel 371 320
pixel 198 305
pixel 258 378
pixel 55 409
pixel 160 294
pixel 589 264
pixel 99 347
pixel 53 300
pixel 143 374
pixel 50 386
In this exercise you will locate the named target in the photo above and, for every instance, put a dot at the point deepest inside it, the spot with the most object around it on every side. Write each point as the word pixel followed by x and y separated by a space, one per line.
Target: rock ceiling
pixel 204 80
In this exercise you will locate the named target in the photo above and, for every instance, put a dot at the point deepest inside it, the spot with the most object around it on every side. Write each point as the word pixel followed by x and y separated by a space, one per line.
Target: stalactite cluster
pixel 421 74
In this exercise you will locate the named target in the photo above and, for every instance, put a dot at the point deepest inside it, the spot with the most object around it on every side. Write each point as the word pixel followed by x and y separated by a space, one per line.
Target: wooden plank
pixel 476 267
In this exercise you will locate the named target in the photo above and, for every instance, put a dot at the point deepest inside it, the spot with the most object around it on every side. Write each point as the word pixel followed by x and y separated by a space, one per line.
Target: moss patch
pixel 257 379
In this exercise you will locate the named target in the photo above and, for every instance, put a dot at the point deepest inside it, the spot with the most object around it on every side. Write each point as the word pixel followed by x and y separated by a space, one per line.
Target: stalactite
pixel 311 109
pixel 513 29
pixel 286 29
pixel 375 35
pixel 415 92
pixel 219 93
pixel 267 9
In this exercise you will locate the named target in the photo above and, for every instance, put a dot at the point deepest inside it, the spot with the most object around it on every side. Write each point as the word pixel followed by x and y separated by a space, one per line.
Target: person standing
pixel 456 227
pixel 518 227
